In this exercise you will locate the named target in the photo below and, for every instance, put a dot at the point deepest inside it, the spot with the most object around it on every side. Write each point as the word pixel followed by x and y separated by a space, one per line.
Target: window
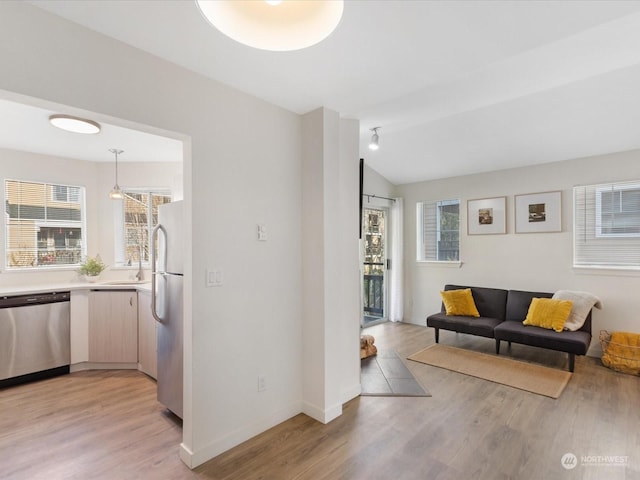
pixel 138 217
pixel 618 210
pixel 65 194
pixel 607 225
pixel 438 231
pixel 44 224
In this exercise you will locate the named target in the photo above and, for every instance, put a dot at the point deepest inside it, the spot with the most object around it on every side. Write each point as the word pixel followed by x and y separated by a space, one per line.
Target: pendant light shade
pixel 274 25
pixel 116 193
pixel 375 138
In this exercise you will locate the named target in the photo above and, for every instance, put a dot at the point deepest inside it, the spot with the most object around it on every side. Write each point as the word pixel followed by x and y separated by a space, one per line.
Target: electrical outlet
pixel 262 383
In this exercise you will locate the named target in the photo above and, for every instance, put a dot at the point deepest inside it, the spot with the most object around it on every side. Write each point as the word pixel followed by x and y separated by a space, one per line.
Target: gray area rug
pixel 385 374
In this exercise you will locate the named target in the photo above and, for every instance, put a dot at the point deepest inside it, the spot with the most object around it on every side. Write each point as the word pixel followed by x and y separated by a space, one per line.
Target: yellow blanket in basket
pixel 623 352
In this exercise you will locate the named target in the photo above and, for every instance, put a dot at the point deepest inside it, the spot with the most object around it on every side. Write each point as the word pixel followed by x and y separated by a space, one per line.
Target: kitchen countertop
pixel 63 287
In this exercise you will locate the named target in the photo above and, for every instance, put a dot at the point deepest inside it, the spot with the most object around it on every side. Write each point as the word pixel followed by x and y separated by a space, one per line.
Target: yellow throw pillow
pixel 548 313
pixel 459 302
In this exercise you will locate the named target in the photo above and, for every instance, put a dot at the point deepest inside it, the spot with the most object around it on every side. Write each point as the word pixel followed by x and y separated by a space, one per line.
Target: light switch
pixel 262 232
pixel 214 277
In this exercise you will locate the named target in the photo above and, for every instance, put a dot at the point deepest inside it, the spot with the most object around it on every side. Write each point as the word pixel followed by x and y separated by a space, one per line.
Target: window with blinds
pixel 139 216
pixel 44 224
pixel 438 231
pixel 607 225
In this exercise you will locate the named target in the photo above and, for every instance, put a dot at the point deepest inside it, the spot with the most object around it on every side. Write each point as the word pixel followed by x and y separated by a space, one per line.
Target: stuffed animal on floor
pixel 367 348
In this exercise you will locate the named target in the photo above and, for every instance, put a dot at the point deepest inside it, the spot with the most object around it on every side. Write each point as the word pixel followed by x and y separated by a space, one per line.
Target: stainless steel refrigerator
pixel 167 303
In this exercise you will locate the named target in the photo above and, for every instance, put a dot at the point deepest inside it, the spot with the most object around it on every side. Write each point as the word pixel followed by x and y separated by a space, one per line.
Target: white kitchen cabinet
pixel 79 316
pixel 147 336
pixel 113 326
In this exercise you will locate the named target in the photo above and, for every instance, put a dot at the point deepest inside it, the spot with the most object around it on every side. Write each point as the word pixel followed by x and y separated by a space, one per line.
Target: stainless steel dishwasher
pixel 34 337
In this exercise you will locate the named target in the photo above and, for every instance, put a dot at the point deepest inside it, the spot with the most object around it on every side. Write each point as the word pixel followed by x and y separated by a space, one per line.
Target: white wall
pixel 330 263
pixel 242 166
pixel 375 184
pixel 97 179
pixel 348 281
pixel 534 261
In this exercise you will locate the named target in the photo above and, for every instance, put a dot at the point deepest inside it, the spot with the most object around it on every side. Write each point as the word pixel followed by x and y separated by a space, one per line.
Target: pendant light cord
pixel 116 152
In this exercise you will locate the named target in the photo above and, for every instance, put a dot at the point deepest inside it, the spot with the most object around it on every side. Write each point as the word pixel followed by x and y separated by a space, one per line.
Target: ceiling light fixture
pixel 276 25
pixel 74 124
pixel 375 139
pixel 116 193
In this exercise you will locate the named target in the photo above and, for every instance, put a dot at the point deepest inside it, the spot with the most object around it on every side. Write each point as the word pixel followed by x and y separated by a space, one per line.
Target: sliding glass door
pixel 374 282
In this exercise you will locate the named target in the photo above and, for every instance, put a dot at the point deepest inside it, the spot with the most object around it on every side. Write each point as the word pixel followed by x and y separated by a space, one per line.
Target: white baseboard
pixel 351 393
pixel 322 415
pixel 195 458
pixel 79 367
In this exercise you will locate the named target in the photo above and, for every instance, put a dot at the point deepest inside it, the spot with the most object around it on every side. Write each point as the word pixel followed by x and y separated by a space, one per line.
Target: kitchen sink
pixel 125 282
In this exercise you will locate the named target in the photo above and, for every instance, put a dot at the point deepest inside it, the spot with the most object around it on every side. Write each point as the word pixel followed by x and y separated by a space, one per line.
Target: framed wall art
pixel 539 212
pixel 487 216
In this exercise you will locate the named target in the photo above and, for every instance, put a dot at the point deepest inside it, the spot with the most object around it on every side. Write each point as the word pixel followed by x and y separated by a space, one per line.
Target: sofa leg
pixel 437 335
pixel 572 361
pixel 509 345
pixel 497 347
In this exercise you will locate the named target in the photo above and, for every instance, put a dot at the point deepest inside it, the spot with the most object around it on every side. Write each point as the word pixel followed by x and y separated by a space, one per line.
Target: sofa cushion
pixel 459 302
pixel 566 341
pixel 481 326
pixel 548 313
pixel 490 302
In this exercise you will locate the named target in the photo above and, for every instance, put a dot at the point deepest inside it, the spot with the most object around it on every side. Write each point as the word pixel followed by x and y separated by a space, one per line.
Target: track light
pixel 373 144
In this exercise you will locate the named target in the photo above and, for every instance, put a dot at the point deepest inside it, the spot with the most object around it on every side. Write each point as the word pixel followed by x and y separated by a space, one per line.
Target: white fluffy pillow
pixel 583 302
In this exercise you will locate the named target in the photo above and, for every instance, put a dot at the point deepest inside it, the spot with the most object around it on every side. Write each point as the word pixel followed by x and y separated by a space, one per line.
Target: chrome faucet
pixel 140 274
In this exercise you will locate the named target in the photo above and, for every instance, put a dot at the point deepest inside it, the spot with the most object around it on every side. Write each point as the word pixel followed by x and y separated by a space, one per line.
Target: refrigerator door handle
pixel 154 267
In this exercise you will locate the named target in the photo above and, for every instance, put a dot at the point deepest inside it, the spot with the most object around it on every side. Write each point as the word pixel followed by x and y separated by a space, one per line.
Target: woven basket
pixel 619 356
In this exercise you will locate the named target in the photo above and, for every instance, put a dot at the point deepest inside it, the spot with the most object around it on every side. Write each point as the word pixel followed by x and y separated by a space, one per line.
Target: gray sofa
pixel 501 315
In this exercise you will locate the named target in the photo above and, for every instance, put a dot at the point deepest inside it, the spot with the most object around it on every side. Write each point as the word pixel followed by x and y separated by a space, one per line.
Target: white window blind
pixel 438 231
pixel 44 224
pixel 607 225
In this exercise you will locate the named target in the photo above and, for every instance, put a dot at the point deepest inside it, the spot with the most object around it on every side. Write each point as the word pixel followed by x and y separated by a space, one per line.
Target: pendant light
pixel 116 193
pixel 375 138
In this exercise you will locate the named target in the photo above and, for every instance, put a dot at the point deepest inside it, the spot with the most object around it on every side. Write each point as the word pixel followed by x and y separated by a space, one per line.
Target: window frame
pixel 618 188
pixel 421 242
pixel 39 223
pixel 596 251
pixel 121 239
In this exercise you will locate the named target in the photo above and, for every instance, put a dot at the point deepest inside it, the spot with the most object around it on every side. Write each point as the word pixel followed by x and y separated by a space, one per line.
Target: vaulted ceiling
pixel 457 87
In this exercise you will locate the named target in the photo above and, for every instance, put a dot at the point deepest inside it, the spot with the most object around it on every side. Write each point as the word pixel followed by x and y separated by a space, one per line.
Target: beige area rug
pixel 545 381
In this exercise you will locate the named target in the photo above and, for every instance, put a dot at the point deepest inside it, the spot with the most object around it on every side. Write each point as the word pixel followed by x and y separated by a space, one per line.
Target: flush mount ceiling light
pixel 277 25
pixel 74 124
pixel 375 138
pixel 116 193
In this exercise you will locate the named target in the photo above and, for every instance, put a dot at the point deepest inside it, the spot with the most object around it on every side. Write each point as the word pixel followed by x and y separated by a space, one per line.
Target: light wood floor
pixel 108 425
